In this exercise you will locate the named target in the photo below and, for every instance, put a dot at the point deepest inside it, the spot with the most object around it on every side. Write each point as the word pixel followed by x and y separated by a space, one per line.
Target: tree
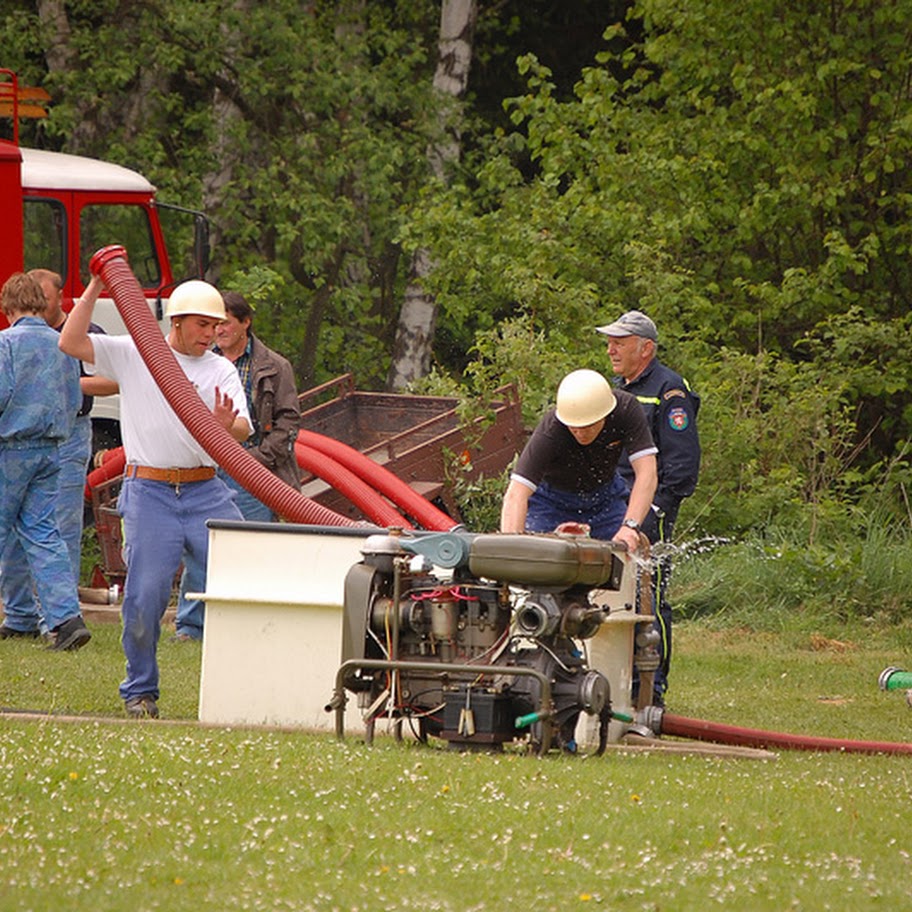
pixel 418 316
pixel 733 170
pixel 301 128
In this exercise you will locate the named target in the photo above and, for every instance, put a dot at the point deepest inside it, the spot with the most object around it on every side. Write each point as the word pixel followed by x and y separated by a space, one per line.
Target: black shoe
pixel 142 707
pixel 7 633
pixel 70 635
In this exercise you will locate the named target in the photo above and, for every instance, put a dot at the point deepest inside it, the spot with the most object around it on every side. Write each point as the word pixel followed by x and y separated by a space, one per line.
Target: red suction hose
pixel 406 499
pixel 112 465
pixel 358 491
pixel 111 264
pixel 701 730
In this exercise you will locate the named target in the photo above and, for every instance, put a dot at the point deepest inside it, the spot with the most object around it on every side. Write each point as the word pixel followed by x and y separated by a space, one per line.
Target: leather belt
pixel 171 476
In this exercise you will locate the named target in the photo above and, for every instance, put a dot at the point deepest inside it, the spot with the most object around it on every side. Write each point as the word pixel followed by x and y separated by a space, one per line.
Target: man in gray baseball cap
pixel 632 323
pixel 671 413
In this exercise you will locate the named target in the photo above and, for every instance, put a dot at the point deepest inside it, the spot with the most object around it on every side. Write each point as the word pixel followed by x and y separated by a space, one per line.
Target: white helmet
pixel 196 297
pixel 584 397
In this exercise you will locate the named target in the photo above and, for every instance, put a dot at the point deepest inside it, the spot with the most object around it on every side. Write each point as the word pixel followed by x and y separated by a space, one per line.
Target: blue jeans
pixel 602 509
pixel 17 591
pixel 191 613
pixel 33 551
pixel 162 523
pixel 252 510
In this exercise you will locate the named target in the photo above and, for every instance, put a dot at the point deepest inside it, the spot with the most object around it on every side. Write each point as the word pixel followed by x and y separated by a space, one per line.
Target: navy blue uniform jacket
pixel 671 412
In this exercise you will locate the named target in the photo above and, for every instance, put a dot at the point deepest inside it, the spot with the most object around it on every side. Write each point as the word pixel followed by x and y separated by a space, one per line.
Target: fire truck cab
pixel 56 210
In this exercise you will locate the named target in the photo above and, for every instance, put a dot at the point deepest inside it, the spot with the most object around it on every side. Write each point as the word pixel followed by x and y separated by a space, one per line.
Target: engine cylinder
pixel 444 618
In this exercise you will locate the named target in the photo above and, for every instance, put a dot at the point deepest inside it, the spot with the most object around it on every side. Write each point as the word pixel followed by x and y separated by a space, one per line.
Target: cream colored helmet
pixel 584 397
pixel 196 297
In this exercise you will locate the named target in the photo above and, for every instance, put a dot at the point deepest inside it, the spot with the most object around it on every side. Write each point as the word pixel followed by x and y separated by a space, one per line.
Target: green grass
pixel 139 816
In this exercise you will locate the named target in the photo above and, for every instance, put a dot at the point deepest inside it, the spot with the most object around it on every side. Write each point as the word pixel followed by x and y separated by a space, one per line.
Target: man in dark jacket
pixel 671 411
pixel 272 400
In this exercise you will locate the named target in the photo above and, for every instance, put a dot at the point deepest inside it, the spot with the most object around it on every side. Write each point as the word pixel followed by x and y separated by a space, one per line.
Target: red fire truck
pixel 56 210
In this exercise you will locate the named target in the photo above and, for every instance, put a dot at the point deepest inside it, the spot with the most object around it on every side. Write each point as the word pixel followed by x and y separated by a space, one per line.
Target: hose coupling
pixel 104 256
pixel 650 717
pixel 894 678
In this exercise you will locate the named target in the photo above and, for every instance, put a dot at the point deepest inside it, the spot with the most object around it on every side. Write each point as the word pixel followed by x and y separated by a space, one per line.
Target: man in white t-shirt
pixel 170 485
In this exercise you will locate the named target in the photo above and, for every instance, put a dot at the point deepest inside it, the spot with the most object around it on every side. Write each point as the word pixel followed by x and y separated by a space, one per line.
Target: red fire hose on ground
pixel 111 264
pixel 663 723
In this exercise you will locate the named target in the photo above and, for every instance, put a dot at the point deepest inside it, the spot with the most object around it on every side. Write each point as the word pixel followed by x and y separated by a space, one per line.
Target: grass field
pixel 120 815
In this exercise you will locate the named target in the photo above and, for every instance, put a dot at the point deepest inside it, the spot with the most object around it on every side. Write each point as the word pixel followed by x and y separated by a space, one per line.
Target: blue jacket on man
pixel 671 408
pixel 671 414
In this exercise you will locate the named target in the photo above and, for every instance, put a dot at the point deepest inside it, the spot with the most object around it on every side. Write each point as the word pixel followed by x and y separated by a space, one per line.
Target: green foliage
pixel 479 499
pixel 301 131
pixel 746 194
pixel 777 442
pixel 737 171
pixel 90 555
pixel 516 352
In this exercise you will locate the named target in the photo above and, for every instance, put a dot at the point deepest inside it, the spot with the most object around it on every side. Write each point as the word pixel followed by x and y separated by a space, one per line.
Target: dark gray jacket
pixel 275 412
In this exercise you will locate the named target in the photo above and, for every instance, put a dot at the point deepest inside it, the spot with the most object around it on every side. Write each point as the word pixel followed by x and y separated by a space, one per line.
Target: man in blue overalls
pixel 671 412
pixel 39 398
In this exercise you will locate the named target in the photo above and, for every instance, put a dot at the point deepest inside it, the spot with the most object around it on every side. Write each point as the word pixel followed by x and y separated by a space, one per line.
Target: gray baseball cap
pixel 633 323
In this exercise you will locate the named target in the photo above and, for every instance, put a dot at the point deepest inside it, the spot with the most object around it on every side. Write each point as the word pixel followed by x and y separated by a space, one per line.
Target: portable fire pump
pixel 482 639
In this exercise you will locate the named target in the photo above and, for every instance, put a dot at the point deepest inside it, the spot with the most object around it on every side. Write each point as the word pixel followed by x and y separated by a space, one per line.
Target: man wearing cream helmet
pixel 170 485
pixel 671 408
pixel 566 476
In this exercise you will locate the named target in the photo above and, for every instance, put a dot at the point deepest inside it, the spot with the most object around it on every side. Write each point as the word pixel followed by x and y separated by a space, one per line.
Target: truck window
pixel 101 225
pixel 44 222
pixel 181 228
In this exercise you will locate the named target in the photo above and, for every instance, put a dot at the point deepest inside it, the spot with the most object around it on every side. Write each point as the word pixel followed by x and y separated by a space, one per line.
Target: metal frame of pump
pixel 484 656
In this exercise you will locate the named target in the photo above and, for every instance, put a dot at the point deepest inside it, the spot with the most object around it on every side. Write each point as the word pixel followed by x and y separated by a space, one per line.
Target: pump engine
pixel 478 639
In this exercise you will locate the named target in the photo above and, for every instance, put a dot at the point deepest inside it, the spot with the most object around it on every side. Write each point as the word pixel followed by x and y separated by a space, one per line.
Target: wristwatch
pixel 632 524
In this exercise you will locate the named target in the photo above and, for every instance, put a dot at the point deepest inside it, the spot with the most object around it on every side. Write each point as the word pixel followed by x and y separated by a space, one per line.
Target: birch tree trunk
pixel 418 316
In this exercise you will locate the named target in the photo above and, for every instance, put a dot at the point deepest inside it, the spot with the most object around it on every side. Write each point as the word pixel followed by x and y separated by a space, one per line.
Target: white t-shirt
pixel 152 433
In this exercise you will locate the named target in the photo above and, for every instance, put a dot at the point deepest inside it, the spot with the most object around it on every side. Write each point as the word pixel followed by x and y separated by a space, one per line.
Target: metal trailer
pixel 420 439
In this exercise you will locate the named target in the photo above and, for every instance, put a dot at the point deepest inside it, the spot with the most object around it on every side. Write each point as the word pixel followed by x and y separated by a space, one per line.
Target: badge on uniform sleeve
pixel 678 419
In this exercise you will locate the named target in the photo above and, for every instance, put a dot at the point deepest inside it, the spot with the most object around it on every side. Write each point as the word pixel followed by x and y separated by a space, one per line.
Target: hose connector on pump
pixel 646 654
pixel 530 718
pixel 649 720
